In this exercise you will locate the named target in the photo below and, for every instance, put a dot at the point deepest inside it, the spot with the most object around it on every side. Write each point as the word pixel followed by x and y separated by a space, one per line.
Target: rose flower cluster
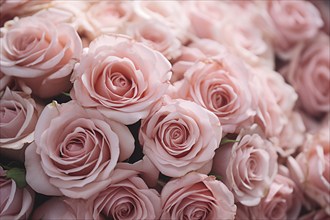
pixel 165 109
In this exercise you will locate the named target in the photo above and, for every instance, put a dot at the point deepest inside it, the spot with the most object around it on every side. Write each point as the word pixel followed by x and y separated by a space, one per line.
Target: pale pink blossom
pixel 157 36
pixel 127 197
pixel 40 53
pixel 170 13
pixel 222 85
pixel 283 201
pixel 197 196
pixel 104 17
pixel 179 136
pixel 311 168
pixel 121 78
pixel 18 117
pixel 309 74
pixel 294 22
pixel 248 167
pixel 15 202
pixel 75 151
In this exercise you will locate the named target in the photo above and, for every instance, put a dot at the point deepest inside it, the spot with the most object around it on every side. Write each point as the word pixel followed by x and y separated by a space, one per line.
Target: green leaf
pixel 18 175
pixel 217 177
pixel 227 140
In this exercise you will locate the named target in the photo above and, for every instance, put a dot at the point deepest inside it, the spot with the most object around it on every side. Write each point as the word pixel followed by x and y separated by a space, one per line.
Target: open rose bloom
pixel 152 109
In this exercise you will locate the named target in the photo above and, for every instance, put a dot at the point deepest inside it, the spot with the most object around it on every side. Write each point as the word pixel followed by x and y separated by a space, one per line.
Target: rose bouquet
pixel 165 109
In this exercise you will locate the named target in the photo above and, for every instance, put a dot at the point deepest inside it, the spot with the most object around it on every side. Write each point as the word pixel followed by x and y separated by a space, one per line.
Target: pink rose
pixel 291 137
pixel 64 208
pixel 40 53
pixel 221 85
pixel 276 100
pixel 247 167
pixel 294 22
pixel 15 203
pixel 208 16
pixel 309 74
pixel 180 136
pixel 121 78
pixel 157 36
pixel 21 8
pixel 311 168
pixel 75 151
pixel 127 197
pixel 283 201
pixel 246 37
pixel 18 117
pixel 106 17
pixel 197 196
pixel 200 49
pixel 170 13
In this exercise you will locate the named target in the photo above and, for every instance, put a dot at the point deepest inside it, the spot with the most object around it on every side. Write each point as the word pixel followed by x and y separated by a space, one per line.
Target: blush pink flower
pixel 104 17
pixel 75 151
pixel 199 49
pixel 127 197
pixel 180 136
pixel 294 22
pixel 170 13
pixel 197 196
pixel 64 208
pixel 221 85
pixel 311 168
pixel 15 203
pixel 18 117
pixel 315 215
pixel 157 36
pixel 309 74
pixel 248 167
pixel 283 201
pixel 40 53
pixel 121 78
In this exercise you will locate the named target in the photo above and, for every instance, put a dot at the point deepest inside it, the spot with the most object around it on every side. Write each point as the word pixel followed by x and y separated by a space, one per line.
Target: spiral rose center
pixel 174 137
pixel 123 210
pixel 7 115
pixel 25 43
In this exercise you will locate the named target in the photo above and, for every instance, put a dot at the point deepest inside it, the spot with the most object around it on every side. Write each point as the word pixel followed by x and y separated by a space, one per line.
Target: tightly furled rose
pixel 247 167
pixel 197 196
pixel 15 203
pixel 121 78
pixel 221 85
pixel 64 208
pixel 180 136
pixel 309 74
pixel 75 151
pixel 294 22
pixel 40 53
pixel 311 168
pixel 127 197
pixel 18 117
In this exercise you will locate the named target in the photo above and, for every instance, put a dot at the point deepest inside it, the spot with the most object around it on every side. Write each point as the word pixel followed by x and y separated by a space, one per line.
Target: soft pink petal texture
pixel 40 53
pixel 19 115
pixel 64 208
pixel 180 136
pixel 15 203
pixel 197 193
pixel 145 168
pixel 35 175
pixel 114 77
